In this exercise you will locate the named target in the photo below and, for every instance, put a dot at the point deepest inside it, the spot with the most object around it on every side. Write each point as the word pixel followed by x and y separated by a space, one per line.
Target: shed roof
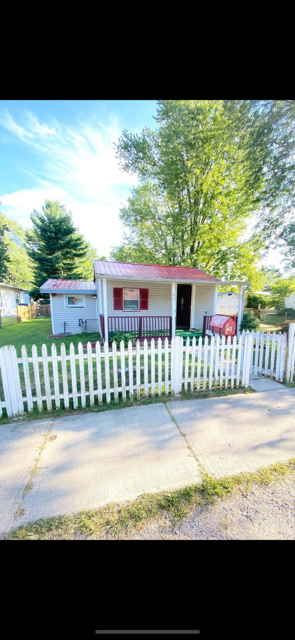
pixel 74 286
pixel 137 271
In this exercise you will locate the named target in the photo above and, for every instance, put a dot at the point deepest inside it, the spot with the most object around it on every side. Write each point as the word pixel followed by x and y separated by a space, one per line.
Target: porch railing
pixel 139 326
pixel 206 324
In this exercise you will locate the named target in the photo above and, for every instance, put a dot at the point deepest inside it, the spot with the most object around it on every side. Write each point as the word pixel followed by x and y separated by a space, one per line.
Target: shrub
pixel 249 322
pixel 118 336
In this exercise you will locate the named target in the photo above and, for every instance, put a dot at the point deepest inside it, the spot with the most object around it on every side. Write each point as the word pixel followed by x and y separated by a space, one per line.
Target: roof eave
pixel 69 291
pixel 178 280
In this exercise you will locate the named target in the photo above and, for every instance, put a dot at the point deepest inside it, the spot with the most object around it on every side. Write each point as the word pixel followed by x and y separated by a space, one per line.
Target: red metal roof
pixel 68 285
pixel 150 271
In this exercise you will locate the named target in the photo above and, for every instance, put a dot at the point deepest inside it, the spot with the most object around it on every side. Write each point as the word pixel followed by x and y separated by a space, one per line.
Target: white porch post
pixel 193 302
pixel 105 309
pixel 173 307
pixel 99 303
pixel 52 316
pixel 240 310
pixel 215 301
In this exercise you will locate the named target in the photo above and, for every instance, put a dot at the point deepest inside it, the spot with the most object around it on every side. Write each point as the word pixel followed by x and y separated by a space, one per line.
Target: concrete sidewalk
pixel 95 458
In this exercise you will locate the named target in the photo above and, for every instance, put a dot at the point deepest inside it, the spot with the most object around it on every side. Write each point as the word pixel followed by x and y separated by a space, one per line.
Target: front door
pixel 183 306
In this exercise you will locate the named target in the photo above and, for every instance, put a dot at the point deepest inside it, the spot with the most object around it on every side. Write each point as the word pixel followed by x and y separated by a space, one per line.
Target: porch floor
pixel 184 333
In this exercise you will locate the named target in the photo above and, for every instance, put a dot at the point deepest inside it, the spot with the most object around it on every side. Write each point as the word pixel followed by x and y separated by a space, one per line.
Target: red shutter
pixel 118 299
pixel 144 299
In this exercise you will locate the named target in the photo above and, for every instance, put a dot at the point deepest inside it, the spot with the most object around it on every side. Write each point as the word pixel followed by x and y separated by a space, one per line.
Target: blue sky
pixel 63 150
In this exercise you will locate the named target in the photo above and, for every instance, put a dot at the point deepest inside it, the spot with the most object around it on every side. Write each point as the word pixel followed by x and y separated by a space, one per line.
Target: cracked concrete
pixel 92 459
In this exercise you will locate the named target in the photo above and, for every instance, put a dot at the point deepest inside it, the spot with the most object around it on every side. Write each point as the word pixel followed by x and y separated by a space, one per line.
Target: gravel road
pixel 264 513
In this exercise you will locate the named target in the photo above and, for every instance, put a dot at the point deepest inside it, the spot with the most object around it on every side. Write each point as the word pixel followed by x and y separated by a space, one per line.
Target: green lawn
pixel 35 331
pixel 273 322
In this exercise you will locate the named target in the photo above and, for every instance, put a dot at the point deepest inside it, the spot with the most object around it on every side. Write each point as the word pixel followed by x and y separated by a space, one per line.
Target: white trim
pixel 105 308
pixel 193 302
pixel 215 301
pixel 99 297
pixel 52 315
pixel 173 307
pixel 240 310
pixel 74 306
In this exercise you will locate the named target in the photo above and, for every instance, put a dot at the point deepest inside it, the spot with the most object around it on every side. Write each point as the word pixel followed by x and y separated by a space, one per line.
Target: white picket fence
pixel 290 370
pixel 268 354
pixel 102 375
pixel 108 374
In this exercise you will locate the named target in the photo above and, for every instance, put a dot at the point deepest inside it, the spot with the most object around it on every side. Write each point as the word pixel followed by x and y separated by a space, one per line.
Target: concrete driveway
pixel 88 460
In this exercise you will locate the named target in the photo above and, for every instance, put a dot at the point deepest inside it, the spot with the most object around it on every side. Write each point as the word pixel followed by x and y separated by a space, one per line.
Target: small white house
pixel 290 301
pixel 10 298
pixel 227 303
pixel 145 300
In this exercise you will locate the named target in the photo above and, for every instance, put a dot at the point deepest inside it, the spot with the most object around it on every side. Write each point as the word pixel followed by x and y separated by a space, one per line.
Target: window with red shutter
pixel 118 299
pixel 144 299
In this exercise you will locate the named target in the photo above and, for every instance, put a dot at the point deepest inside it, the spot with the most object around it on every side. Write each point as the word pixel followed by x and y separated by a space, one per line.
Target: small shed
pixel 227 303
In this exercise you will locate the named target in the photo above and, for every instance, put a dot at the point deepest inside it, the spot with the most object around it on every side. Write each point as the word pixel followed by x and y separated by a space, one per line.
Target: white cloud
pixel 9 123
pixel 76 165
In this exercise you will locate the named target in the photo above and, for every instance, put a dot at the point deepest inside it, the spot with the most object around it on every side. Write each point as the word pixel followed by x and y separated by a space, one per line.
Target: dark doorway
pixel 183 306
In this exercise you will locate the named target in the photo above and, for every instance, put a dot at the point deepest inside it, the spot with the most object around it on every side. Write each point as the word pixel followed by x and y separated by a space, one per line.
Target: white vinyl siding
pixel 160 299
pixel 159 302
pixel 204 301
pixel 8 302
pixel 72 315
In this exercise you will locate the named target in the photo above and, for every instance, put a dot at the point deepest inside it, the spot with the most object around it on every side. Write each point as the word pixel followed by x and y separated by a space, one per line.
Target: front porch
pixel 140 327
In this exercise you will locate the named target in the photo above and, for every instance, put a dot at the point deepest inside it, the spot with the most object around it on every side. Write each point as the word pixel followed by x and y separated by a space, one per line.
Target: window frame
pixel 138 300
pixel 74 306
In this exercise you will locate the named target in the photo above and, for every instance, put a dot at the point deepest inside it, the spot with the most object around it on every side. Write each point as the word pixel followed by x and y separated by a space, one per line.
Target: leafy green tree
pixel 4 257
pixel 280 291
pixel 18 266
pixel 273 138
pixel 55 246
pixel 196 192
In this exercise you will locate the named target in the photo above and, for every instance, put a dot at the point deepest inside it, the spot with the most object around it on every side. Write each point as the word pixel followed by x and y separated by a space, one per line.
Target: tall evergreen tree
pixel 55 246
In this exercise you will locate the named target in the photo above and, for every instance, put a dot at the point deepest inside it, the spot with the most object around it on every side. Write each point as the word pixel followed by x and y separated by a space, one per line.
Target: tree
pixel 196 192
pixel 280 291
pixel 4 257
pixel 273 136
pixel 55 246
pixel 17 264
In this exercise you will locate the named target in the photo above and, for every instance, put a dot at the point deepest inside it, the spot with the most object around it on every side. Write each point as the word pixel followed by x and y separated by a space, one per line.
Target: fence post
pixel 247 359
pixel 290 350
pixel 11 381
pixel 176 369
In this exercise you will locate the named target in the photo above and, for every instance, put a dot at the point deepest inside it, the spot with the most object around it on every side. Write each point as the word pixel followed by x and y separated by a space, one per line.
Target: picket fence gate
pixel 107 374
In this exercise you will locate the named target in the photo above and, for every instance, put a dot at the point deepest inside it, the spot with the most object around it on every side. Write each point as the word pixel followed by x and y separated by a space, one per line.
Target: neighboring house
pixel 147 300
pixel 290 301
pixel 10 298
pixel 228 303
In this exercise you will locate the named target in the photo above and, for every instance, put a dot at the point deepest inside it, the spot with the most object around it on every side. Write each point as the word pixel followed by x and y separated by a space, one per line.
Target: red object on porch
pixel 223 325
